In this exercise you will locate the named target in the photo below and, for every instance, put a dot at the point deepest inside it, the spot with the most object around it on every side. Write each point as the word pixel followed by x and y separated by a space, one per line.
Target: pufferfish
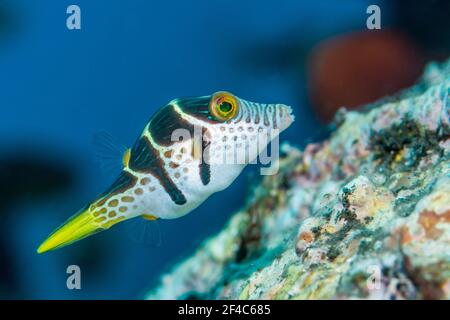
pixel 187 151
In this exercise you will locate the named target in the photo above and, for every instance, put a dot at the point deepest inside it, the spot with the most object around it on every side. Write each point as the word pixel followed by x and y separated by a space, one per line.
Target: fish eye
pixel 223 106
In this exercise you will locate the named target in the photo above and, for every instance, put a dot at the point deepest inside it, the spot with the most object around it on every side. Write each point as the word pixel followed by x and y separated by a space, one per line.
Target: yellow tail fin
pixel 76 228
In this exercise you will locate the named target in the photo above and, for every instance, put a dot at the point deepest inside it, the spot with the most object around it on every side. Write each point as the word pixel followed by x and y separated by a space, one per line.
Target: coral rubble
pixel 365 214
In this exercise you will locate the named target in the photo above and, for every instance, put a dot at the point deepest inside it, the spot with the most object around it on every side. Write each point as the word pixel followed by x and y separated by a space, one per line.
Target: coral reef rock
pixel 365 214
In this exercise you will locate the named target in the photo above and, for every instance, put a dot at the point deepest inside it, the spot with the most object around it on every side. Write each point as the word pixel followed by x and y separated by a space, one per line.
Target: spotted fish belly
pixel 168 181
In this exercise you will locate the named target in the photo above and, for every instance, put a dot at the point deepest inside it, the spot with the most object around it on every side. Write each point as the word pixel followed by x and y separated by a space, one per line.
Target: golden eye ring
pixel 223 106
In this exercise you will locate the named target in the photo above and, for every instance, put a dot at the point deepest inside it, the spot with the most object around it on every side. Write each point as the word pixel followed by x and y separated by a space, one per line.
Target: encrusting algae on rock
pixel 365 214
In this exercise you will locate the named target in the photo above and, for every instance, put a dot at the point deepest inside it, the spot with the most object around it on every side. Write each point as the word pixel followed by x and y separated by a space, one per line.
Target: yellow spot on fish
pixel 113 203
pixel 110 223
pixel 126 158
pixel 112 214
pixel 149 217
pixel 127 199
pixel 123 209
pixel 168 154
pixel 100 219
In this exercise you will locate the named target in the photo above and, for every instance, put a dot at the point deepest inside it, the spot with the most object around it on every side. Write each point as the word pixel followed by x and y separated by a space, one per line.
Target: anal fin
pixel 149 217
pixel 126 158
